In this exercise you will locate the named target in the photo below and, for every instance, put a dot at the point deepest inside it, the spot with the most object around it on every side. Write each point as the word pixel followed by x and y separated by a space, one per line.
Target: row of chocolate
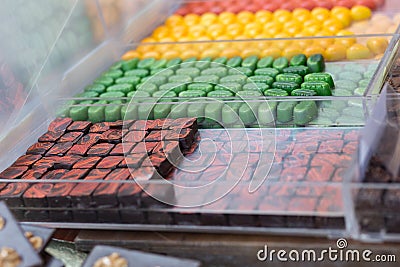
pixel 82 151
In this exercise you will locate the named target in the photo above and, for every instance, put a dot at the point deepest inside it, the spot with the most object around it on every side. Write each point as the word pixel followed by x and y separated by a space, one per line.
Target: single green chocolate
pixel 220 93
pixel 96 87
pixel 213 79
pixel 304 112
pixel 237 78
pixel 218 71
pixel 250 62
pixel 138 73
pixel 255 86
pixel 265 62
pixel 192 93
pixel 129 79
pixel 267 71
pixel 96 112
pixel 234 62
pixel 320 77
pixel 230 112
pixel 146 63
pixel 192 72
pixel 129 64
pixel 316 63
pixel 280 63
pixel 233 87
pixel 106 81
pixel 262 79
pixel 147 87
pixel 114 74
pixel 122 87
pixel 266 112
pixel 157 80
pixel 284 111
pixel 159 64
pixel 162 111
pixel 298 60
pixel 179 79
pixel 176 87
pixel 275 92
pixel 289 77
pixel 206 87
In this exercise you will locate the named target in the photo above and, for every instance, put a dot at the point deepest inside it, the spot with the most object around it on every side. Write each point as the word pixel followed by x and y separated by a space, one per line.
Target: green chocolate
pixel 304 112
pixel 106 81
pixel 220 93
pixel 179 111
pixel 267 112
pixel 129 79
pixel 300 70
pixel 159 64
pixel 192 94
pixel 289 77
pixel 241 71
pixel 287 86
pixel 275 92
pixel 284 111
pixel 146 63
pixel 265 62
pixel 96 113
pixel 218 71
pixel 214 79
pixel 162 72
pixel 320 77
pixel 114 74
pixel 346 85
pixel 271 72
pixel 192 72
pixel 351 76
pixel 122 87
pixel 298 60
pixel 138 73
pixel 238 78
pixel 147 87
pixel 233 87
pixel 179 79
pixel 98 88
pixel 80 113
pixel 162 110
pixel 213 112
pixel 255 86
pixel 157 80
pixel 321 88
pixel 129 64
pixel 176 87
pixel 280 63
pixel 250 62
pixel 303 92
pixel 201 86
pixel 174 63
pixel 230 112
pixel 234 62
pixel 261 79
pixel 316 63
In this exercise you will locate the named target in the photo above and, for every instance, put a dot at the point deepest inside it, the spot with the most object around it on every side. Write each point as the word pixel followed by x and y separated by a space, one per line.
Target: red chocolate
pixel 102 150
pixel 59 149
pixel 110 162
pixel 134 136
pixel 70 137
pixel 80 126
pixel 39 148
pixel 27 160
pixel 122 149
pixel 89 139
pixel 79 150
pixel 86 163
pixel 50 137
pixel 59 124
pixel 100 127
pixel 111 136
pixel 13 172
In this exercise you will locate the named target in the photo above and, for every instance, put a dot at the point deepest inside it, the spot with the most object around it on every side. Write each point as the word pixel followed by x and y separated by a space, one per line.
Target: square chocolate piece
pixel 79 126
pixel 70 137
pixel 110 162
pixel 39 148
pixel 50 137
pixel 86 163
pixel 27 160
pixel 111 136
pixel 102 149
pixel 89 139
pixel 59 149
pixel 59 124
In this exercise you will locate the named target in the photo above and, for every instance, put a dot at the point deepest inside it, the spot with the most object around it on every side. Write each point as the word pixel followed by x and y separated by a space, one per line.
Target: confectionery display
pixel 271 111
pixel 201 7
pixel 263 24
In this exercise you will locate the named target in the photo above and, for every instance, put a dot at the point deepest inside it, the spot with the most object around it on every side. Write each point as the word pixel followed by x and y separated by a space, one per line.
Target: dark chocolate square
pixel 100 127
pixel 102 149
pixel 80 126
pixel 70 137
pixel 50 137
pixel 89 139
pixel 59 149
pixel 39 148
pixel 79 150
pixel 111 136
pixel 134 136
pixel 27 160
pixel 110 162
pixel 86 163
pixel 13 172
pixel 122 149
pixel 59 124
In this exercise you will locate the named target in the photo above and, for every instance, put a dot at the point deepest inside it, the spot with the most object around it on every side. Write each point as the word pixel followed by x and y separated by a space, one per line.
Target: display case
pixel 371 194
pixel 255 170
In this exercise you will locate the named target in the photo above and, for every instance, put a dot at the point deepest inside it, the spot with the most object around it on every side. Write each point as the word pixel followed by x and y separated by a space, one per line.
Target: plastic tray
pixel 292 182
pixel 371 209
